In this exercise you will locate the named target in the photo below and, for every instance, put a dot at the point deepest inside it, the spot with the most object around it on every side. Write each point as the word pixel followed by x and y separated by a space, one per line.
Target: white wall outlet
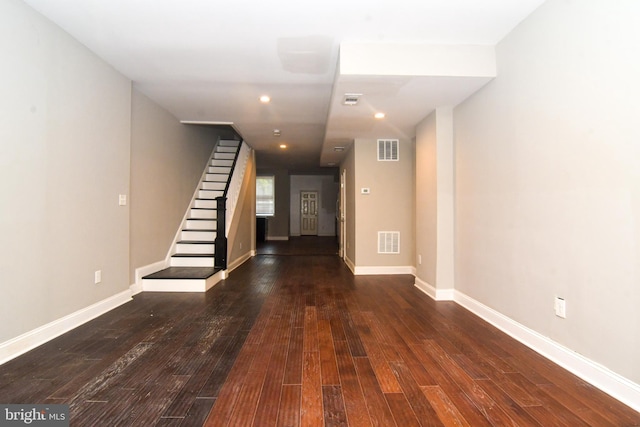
pixel 97 276
pixel 122 200
pixel 365 190
pixel 560 307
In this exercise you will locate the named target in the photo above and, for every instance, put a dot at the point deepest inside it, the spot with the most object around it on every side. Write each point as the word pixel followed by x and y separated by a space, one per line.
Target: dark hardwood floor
pixel 297 340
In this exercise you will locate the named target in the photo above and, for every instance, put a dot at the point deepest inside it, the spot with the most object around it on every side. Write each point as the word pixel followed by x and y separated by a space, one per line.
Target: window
pixel 265 196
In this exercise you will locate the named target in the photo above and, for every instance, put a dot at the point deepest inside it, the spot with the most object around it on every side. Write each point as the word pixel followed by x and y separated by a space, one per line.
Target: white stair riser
pixel 200 224
pixel 217 177
pixel 229 143
pixel 226 149
pixel 192 262
pixel 174 285
pixel 203 214
pixel 220 162
pixel 207 236
pixel 209 194
pixel 225 156
pixel 214 185
pixel 223 170
pixel 205 204
pixel 195 248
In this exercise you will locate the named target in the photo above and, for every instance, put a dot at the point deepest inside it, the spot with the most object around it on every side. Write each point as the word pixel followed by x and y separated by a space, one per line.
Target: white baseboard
pixel 350 264
pixel 239 261
pixel 32 339
pixel 135 289
pixel 370 270
pixel 144 271
pixel 599 376
pixel 436 294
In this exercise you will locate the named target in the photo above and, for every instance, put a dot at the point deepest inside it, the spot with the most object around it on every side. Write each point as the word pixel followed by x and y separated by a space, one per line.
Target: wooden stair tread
pixel 195 273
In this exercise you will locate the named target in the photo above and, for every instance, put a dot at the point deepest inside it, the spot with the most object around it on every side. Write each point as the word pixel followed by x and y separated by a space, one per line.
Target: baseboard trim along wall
pixel 436 294
pixel 368 270
pixel 350 264
pixel 34 338
pixel 144 271
pixel 239 261
pixel 595 374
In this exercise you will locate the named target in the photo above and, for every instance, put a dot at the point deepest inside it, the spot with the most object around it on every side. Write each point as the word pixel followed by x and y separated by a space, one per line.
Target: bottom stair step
pixel 183 279
pixel 184 273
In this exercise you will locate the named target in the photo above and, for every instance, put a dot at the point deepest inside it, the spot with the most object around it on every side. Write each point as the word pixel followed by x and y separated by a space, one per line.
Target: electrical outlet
pixel 97 276
pixel 560 307
pixel 122 199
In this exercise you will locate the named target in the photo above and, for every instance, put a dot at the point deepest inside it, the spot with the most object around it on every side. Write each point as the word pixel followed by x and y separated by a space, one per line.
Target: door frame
pixel 342 215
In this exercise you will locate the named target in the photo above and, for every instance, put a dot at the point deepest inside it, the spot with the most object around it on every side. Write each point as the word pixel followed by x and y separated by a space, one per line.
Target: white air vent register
pixel 388 150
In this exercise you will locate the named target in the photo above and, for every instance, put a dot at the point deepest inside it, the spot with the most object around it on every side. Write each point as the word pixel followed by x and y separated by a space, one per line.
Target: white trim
pixel 370 270
pixel 183 285
pixel 135 288
pixel 599 376
pixel 277 238
pixel 36 337
pixel 435 294
pixel 145 270
pixel 350 264
pixel 239 261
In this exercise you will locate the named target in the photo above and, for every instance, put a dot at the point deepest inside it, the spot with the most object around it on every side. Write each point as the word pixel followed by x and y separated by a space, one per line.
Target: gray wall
pixel 388 207
pixel 167 161
pixel 547 180
pixel 64 159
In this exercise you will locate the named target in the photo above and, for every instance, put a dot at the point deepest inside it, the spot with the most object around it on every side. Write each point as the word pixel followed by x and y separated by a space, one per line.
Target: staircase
pixel 192 264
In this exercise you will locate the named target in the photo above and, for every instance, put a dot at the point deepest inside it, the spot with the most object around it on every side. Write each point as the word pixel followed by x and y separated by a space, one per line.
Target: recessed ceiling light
pixel 338 149
pixel 265 99
pixel 379 115
pixel 283 146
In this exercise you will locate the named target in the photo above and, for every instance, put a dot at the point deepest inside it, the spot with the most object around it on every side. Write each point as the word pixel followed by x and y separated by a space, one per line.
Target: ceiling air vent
pixel 351 99
pixel 388 242
pixel 388 150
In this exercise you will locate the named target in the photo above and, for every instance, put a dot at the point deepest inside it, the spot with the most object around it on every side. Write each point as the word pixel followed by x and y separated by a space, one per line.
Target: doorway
pixel 308 213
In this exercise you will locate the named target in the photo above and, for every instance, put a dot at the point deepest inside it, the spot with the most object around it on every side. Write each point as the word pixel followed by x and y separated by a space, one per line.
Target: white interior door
pixel 309 213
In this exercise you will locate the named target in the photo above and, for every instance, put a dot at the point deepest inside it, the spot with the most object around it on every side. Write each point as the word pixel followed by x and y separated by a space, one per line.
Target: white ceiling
pixel 209 61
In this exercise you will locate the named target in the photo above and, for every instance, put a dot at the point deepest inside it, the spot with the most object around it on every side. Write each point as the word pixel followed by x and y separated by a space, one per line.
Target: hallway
pixel 298 340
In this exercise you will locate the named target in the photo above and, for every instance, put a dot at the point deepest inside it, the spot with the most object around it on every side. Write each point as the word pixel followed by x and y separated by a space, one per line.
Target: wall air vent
pixel 351 99
pixel 388 242
pixel 388 150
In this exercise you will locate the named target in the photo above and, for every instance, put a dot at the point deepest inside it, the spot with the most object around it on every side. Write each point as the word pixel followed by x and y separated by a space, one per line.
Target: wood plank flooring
pixel 297 340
